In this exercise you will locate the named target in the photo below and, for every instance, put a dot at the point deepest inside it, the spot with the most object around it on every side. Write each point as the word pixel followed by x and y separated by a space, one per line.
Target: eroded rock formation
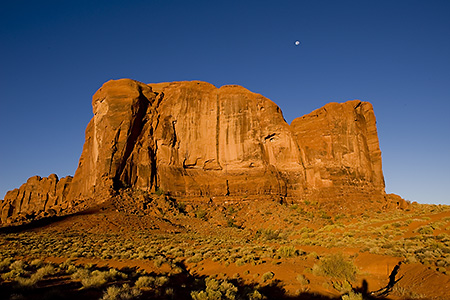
pixel 341 152
pixel 192 139
pixel 38 197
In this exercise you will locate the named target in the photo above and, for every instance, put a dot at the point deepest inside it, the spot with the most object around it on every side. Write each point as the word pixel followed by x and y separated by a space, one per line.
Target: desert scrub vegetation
pixel 267 276
pixel 25 274
pixel 269 234
pixel 201 214
pixel 302 279
pixel 352 296
pixel 336 267
pixel 405 293
pixel 426 230
pixel 34 278
pixel 215 289
pixel 97 278
pixel 124 292
pixel 248 258
pixel 157 248
pixel 288 251
pixel 427 242
pixel 145 282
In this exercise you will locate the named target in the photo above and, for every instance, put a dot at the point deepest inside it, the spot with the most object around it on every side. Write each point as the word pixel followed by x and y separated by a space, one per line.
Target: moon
pixel 297 43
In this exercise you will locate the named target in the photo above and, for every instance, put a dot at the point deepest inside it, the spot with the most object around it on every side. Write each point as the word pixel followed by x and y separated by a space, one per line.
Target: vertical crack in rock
pixel 159 100
pixel 153 175
pixel 114 148
pixel 45 202
pixel 133 135
pixel 174 140
pixel 153 152
pixel 217 130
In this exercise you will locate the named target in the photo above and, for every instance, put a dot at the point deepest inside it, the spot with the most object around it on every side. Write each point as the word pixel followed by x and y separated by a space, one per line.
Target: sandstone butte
pixel 199 142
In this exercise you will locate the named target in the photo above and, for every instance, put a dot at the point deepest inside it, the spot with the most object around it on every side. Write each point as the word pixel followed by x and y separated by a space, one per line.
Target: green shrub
pixel 27 282
pixel 352 296
pixel 267 276
pixel 79 274
pixel 161 280
pixel 268 234
pixel 145 282
pixel 195 259
pixel 113 275
pixel 159 191
pixel 37 263
pixel 313 255
pixel 230 223
pixel 426 230
pixel 70 269
pixel 94 279
pixel 181 207
pixel 231 210
pixel 335 266
pixel 15 270
pixel 240 262
pixel 18 265
pixel 121 293
pixel 36 277
pixel 169 292
pixel 45 270
pixel 200 214
pixel 216 289
pixel 344 287
pixel 302 279
pixel 11 275
pixel 287 251
pixel 111 293
pixel 255 295
pixel 158 262
pixel 4 265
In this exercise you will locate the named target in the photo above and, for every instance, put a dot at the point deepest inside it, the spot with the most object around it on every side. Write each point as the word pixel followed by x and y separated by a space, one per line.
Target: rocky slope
pixel 196 141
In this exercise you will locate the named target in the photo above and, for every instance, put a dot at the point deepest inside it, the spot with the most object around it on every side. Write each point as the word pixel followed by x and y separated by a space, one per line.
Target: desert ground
pixel 234 249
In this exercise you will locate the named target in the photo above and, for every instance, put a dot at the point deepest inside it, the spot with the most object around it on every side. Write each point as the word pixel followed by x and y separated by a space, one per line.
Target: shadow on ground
pixel 177 286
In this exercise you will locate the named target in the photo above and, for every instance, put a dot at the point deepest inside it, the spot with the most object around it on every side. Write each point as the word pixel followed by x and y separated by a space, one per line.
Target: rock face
pixel 192 139
pixel 341 153
pixel 189 139
pixel 223 142
pixel 37 197
pixel 111 154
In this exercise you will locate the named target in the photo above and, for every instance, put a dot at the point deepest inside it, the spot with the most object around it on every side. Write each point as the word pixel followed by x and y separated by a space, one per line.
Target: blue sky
pixel 54 55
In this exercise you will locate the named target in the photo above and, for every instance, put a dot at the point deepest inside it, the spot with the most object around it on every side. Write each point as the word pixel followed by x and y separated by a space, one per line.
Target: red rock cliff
pixel 340 151
pixel 195 140
pixel 38 197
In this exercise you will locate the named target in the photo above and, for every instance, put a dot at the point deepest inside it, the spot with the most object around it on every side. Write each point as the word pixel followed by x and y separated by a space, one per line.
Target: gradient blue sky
pixel 54 55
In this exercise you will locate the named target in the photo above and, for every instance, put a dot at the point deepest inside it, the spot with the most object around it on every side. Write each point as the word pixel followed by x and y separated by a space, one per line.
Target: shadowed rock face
pixel 115 138
pixel 195 140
